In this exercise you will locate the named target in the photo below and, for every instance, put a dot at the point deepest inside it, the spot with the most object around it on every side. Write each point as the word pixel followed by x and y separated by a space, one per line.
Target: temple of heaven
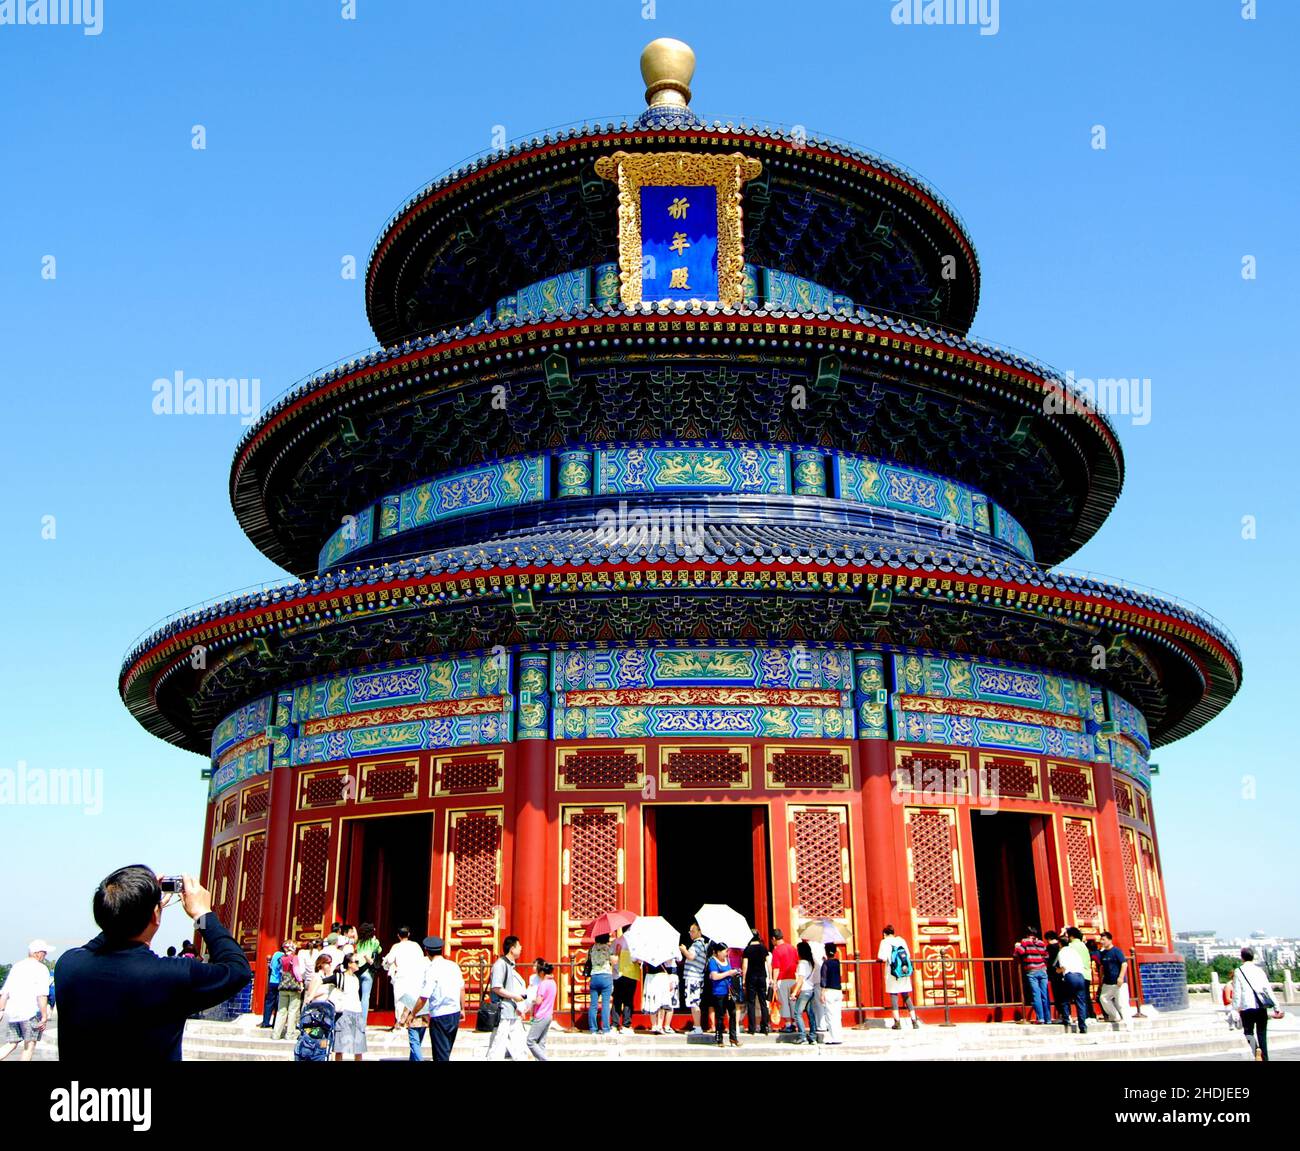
pixel 676 547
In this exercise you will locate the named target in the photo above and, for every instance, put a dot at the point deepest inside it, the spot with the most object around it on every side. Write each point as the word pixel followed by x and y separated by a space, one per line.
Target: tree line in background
pixel 1225 965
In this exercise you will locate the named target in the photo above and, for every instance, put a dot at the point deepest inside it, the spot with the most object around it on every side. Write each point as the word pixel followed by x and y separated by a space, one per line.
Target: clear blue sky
pixel 225 262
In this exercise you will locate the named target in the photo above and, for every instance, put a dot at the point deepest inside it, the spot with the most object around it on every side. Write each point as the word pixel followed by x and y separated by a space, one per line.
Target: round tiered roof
pixel 966 410
pixel 768 585
pixel 888 375
pixel 822 210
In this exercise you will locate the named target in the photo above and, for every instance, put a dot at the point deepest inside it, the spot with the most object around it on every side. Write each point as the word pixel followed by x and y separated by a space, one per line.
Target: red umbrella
pixel 609 923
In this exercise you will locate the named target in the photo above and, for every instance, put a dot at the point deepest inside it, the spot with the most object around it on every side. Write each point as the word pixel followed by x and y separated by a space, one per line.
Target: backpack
pixel 900 963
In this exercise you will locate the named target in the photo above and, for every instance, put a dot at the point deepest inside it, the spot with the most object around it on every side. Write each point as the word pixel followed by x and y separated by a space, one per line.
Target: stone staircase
pixel 1191 1033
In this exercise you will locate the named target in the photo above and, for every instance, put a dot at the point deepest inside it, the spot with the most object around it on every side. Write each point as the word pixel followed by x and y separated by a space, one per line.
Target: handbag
pixel 1264 998
pixel 489 1008
pixel 489 1017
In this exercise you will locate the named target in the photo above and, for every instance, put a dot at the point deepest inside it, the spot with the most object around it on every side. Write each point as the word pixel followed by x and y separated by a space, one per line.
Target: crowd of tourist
pixel 318 994
pixel 1061 968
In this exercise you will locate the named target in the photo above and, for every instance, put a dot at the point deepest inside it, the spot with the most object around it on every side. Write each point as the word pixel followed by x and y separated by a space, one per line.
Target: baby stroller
pixel 315 1032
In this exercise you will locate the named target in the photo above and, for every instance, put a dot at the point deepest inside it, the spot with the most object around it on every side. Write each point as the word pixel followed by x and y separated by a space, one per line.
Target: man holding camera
pixel 116 997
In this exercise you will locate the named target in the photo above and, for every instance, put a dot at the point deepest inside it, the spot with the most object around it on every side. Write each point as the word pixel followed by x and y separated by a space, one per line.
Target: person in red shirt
pixel 785 961
pixel 1032 953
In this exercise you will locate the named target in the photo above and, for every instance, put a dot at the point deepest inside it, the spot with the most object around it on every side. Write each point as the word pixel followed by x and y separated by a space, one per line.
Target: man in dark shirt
pixel 756 968
pixel 117 998
pixel 1114 970
pixel 1055 980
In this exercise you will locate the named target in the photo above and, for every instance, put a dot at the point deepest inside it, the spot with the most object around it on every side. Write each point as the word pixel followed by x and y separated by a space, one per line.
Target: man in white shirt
pixel 442 998
pixel 1252 995
pixel 1076 974
pixel 509 991
pixel 406 965
pixel 25 1000
pixel 896 959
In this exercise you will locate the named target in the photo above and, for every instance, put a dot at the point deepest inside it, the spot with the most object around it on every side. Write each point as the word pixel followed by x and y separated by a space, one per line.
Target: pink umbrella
pixel 609 923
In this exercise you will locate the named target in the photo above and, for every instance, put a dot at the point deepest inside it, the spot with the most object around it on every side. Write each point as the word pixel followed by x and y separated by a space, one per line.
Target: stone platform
pixel 1194 1033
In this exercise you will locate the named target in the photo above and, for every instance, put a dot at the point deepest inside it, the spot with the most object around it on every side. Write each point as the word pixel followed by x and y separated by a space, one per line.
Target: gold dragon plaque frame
pixel 726 174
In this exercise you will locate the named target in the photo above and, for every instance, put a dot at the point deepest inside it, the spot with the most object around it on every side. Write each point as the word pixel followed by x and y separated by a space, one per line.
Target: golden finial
pixel 667 67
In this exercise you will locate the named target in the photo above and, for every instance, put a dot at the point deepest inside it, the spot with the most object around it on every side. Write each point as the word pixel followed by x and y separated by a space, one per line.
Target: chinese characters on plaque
pixel 679 242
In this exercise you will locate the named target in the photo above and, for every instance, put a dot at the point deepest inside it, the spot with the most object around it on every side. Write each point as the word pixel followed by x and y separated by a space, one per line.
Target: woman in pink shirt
pixel 543 1010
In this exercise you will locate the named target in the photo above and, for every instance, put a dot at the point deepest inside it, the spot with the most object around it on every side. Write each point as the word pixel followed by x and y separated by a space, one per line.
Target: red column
pixel 1110 853
pixel 275 876
pixel 205 863
pixel 762 896
pixel 530 867
pixel 886 900
pixel 650 860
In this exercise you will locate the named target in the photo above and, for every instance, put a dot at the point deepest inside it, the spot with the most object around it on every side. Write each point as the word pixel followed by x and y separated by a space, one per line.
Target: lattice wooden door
pixel 938 913
pixel 310 899
pixel 224 884
pixel 1155 900
pixel 473 896
pixel 592 879
pixel 1137 909
pixel 249 916
pixel 1083 876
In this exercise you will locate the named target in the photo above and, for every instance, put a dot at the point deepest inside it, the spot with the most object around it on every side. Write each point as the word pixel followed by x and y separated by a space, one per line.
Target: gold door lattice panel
pixel 1133 885
pixel 464 773
pixel 385 780
pixel 1009 777
pixel 938 913
pixel 473 895
pixel 310 896
pixel 254 802
pixel 224 884
pixel 814 768
pixel 592 879
pixel 1083 875
pixel 1124 798
pixel 228 814
pixel 819 862
pixel 820 871
pixel 326 787
pixel 704 766
pixel 1070 783
pixel 249 917
pixel 600 769
pixel 929 776
pixel 1155 904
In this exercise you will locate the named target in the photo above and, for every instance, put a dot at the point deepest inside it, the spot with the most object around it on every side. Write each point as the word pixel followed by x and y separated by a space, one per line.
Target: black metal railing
pixel 944 981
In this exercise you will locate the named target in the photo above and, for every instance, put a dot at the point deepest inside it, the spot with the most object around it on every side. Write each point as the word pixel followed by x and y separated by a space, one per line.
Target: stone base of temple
pixel 1198 1033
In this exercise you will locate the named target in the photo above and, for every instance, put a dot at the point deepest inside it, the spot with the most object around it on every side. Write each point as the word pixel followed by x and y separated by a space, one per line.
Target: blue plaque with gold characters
pixel 680 229
pixel 679 242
